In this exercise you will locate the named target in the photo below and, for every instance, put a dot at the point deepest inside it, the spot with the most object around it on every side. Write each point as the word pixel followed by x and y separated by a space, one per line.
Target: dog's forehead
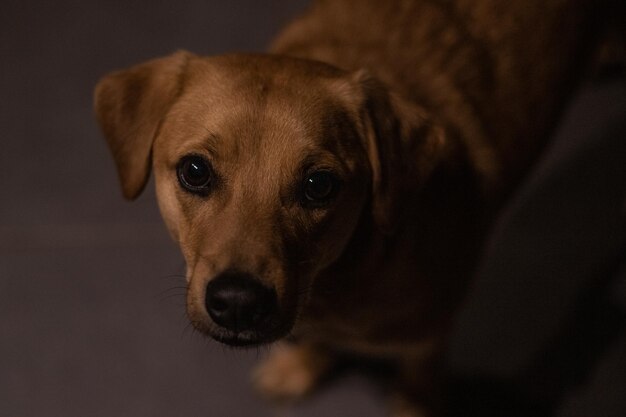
pixel 244 71
pixel 261 82
pixel 263 103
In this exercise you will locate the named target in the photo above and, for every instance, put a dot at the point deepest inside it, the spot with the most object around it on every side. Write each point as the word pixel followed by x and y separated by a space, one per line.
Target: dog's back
pixel 496 71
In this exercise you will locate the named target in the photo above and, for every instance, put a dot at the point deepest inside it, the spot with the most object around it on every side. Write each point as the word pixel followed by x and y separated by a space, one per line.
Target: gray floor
pixel 91 316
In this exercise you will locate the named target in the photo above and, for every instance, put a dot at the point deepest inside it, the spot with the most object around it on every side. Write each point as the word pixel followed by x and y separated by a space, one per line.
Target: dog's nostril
pixel 218 304
pixel 238 302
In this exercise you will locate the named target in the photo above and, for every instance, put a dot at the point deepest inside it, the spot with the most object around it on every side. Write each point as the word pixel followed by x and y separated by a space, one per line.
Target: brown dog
pixel 337 190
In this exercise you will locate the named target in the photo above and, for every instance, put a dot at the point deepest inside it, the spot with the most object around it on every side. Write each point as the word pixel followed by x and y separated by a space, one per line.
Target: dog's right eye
pixel 319 188
pixel 195 174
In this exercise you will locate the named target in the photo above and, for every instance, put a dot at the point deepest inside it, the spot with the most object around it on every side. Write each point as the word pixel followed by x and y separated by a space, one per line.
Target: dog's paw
pixel 291 372
pixel 402 408
pixel 413 412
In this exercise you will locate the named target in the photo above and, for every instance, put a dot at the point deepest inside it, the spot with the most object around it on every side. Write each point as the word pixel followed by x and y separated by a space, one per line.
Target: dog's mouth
pixel 244 339
pixel 265 335
pixel 240 340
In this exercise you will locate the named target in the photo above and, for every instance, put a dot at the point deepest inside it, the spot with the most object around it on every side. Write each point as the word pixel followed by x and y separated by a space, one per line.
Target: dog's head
pixel 265 166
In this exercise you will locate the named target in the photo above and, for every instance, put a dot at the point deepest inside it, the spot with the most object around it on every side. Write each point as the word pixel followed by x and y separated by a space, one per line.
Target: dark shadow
pixel 564 365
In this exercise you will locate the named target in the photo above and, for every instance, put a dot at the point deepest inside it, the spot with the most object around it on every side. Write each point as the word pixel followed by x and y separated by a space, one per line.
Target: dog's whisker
pixel 186 329
pixel 173 292
pixel 176 295
pixel 180 287
pixel 173 276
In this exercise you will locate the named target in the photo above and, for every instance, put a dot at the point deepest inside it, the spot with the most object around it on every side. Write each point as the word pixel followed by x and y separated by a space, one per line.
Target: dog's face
pixel 264 168
pixel 261 182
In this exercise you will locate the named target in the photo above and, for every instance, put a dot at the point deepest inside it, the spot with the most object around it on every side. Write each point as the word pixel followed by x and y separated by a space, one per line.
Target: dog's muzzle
pixel 242 307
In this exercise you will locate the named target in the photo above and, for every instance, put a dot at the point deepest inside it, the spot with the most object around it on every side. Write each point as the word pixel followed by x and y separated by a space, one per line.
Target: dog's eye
pixel 320 187
pixel 194 174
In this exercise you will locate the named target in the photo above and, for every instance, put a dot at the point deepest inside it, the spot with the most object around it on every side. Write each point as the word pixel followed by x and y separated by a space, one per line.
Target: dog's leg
pixel 418 390
pixel 292 371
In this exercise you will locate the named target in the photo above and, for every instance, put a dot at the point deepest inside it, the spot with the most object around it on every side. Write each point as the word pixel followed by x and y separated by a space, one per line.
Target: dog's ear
pixel 404 145
pixel 130 105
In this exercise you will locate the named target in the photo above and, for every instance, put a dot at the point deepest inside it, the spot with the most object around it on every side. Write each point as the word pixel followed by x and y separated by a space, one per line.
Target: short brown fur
pixel 429 112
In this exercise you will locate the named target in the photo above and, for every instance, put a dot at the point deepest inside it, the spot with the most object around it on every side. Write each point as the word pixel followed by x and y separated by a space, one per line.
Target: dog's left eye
pixel 195 174
pixel 320 188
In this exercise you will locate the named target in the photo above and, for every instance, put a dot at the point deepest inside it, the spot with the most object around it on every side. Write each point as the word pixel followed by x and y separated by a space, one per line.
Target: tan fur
pixel 429 112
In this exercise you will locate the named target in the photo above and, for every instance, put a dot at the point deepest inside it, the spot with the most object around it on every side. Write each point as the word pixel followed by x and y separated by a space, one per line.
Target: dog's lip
pixel 242 339
pixel 267 334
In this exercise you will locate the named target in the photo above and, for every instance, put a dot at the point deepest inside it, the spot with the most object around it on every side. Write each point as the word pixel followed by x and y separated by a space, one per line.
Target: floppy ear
pixel 130 105
pixel 404 145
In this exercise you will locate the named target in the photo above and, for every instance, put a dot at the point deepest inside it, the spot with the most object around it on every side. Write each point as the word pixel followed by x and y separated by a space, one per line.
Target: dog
pixel 335 192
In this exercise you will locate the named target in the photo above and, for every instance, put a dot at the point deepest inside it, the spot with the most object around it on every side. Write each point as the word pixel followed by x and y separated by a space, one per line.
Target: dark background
pixel 91 311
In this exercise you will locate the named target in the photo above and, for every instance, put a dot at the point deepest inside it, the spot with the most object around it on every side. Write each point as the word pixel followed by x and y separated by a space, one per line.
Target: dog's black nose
pixel 238 302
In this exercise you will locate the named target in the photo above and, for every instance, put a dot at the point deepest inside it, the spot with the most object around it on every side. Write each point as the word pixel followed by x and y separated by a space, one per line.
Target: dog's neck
pixel 435 247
